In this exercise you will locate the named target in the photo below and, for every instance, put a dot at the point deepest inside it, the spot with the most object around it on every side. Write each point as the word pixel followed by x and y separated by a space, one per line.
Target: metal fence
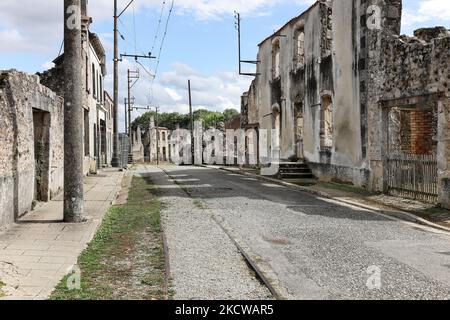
pixel 124 149
pixel 413 176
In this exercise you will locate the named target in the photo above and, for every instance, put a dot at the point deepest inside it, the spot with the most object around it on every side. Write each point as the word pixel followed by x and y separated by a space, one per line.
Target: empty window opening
pixel 299 128
pixel 276 59
pixel 94 85
pixel 326 123
pixel 300 48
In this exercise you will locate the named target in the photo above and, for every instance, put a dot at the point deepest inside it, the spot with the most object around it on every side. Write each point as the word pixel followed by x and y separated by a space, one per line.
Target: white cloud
pixel 48 65
pixel 429 11
pixel 213 92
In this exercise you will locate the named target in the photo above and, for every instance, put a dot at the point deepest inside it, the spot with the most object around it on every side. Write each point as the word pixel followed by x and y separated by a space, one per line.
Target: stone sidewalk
pixel 37 252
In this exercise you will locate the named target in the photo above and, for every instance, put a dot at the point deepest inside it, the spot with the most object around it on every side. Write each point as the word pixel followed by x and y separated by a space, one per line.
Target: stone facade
pixel 151 146
pixel 137 148
pixel 31 145
pixel 345 89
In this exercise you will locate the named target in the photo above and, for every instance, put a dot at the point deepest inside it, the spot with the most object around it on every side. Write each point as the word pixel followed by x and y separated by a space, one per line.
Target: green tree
pixel 230 114
pixel 211 119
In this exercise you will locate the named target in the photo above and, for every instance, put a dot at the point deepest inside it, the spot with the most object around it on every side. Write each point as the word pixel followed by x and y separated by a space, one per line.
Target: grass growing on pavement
pixel 199 204
pixel 2 284
pixel 126 258
pixel 345 187
pixel 437 214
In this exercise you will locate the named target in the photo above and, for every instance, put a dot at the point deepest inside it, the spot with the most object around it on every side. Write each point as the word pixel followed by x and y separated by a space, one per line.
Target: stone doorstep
pixel 397 212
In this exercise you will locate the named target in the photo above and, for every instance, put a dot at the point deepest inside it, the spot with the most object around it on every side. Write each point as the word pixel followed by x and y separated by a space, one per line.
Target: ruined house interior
pixel 355 100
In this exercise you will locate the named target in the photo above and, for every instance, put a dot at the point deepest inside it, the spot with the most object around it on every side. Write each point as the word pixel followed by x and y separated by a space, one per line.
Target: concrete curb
pixel 394 214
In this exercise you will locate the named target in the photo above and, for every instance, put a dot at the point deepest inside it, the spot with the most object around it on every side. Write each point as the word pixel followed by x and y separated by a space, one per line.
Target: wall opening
pixel 41 125
pixel 94 85
pixel 299 128
pixel 96 142
pixel 86 133
pixel 103 144
pixel 276 59
pixel 299 55
pixel 411 159
pixel 417 132
pixel 326 124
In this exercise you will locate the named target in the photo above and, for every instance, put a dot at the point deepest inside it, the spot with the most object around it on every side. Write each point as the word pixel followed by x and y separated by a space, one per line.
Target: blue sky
pixel 200 43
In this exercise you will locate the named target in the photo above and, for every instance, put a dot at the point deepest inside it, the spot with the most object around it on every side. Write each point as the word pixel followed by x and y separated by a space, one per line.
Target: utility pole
pixel 73 113
pixel 126 115
pixel 115 156
pixel 157 136
pixel 191 120
pixel 132 75
pixel 238 28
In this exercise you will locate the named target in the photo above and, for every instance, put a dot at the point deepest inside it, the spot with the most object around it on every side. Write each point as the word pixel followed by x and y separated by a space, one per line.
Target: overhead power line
pixel 161 48
pixel 163 5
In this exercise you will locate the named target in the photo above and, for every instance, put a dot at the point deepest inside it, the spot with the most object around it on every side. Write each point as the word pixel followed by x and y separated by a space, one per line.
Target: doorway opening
pixel 299 129
pixel 103 144
pixel 41 125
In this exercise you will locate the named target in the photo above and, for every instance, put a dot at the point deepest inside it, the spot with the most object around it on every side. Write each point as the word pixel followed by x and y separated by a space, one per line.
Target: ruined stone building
pixel 155 138
pixel 137 147
pixel 31 144
pixel 32 129
pixel 98 106
pixel 355 100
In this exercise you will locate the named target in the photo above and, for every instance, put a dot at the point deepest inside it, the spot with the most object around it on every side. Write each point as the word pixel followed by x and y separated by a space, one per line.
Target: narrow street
pixel 308 247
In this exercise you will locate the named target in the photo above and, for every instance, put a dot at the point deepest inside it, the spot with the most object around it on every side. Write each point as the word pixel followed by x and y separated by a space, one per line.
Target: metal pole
pixel 157 137
pixel 191 114
pixel 239 40
pixel 126 115
pixel 73 113
pixel 129 103
pixel 115 157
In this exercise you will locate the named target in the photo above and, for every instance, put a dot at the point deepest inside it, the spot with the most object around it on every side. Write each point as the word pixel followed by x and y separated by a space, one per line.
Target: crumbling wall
pixel 411 72
pixel 19 95
pixel 138 147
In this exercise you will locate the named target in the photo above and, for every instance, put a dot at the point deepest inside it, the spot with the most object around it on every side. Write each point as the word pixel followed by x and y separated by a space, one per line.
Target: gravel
pixel 319 249
pixel 204 262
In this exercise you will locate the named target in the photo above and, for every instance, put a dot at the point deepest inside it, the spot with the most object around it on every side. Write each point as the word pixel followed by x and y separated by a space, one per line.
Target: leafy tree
pixel 230 114
pixel 211 119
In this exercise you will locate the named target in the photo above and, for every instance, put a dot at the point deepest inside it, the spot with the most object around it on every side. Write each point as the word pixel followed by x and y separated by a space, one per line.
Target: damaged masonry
pixel 32 128
pixel 357 102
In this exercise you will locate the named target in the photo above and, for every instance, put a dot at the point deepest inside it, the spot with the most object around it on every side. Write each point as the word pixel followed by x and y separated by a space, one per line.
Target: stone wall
pixel 412 74
pixel 21 95
pixel 352 65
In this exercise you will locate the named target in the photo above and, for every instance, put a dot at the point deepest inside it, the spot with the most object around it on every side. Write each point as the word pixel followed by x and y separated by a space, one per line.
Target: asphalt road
pixel 319 248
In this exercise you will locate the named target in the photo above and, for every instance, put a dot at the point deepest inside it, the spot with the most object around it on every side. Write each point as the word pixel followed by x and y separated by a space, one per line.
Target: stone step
pixel 294 170
pixel 302 182
pixel 296 175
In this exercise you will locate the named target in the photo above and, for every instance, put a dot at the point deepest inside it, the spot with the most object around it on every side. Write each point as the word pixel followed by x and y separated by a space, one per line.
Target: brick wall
pixel 422 132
